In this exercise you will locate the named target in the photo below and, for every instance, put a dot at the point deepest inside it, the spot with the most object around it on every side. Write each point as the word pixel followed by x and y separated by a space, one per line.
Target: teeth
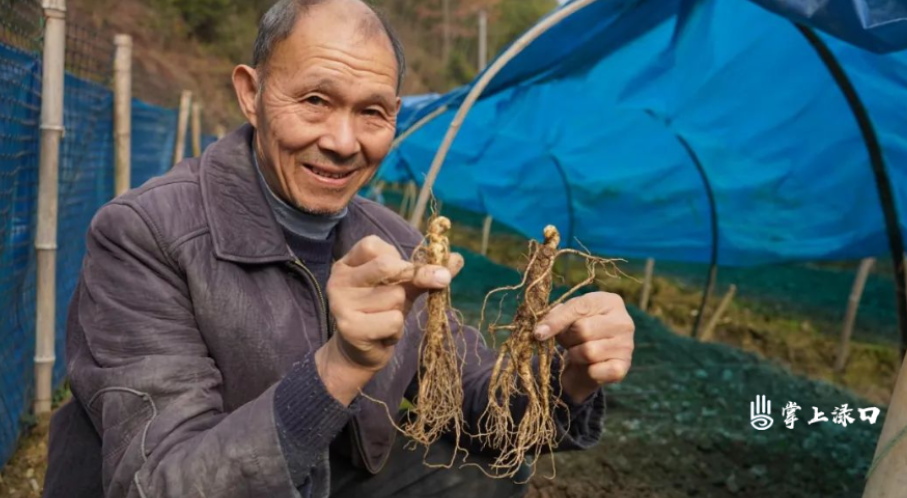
pixel 334 176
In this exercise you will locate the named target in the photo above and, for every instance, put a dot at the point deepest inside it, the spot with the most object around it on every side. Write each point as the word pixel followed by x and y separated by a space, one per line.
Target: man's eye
pixel 373 113
pixel 315 100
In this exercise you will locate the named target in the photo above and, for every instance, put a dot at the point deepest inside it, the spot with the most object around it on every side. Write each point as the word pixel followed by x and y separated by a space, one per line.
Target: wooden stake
pixel 483 39
pixel 850 316
pixel 486 234
pixel 886 478
pixel 48 177
pixel 122 112
pixel 709 331
pixel 220 131
pixel 196 129
pixel 182 125
pixel 446 27
pixel 378 191
pixel 409 194
pixel 647 285
pixel 706 297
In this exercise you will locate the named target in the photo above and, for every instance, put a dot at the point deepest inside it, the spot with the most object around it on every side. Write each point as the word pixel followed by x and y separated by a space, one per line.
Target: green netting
pixel 85 183
pixel 686 405
pixel 816 293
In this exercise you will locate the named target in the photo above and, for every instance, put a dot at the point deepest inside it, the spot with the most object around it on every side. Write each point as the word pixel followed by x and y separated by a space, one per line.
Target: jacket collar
pixel 243 227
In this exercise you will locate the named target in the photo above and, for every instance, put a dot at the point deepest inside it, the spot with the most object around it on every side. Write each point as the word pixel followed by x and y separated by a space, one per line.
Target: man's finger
pixel 609 372
pixel 562 317
pixel 455 263
pixel 382 270
pixel 597 327
pixel 386 327
pixel 590 353
pixel 380 299
pixel 367 249
pixel 430 277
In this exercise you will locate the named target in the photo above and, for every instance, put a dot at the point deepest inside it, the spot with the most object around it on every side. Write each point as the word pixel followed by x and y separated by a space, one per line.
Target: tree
pixel 514 17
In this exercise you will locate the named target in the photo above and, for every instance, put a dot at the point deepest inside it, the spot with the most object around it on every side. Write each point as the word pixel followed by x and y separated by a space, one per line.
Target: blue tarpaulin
pixel 877 25
pixel 598 126
pixel 86 171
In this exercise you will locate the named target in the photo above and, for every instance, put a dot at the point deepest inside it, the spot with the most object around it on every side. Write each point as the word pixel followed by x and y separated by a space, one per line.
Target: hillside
pixel 194 45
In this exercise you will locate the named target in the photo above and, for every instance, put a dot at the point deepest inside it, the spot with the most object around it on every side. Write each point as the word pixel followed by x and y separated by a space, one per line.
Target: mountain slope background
pixel 194 44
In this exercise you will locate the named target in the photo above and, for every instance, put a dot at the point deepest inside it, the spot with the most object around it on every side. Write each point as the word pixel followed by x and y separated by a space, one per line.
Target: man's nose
pixel 340 138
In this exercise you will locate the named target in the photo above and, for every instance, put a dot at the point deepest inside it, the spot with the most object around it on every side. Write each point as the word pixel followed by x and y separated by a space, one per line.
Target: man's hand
pixel 597 332
pixel 370 291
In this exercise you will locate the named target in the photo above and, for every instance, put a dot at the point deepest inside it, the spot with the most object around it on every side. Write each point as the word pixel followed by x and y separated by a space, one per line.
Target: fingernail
pixel 542 331
pixel 442 277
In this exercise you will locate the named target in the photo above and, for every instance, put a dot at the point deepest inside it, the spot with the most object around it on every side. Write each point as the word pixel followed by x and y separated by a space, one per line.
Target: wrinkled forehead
pixel 338 32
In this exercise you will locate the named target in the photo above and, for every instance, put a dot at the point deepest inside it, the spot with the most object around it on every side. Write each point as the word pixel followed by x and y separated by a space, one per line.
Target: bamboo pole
pixel 196 129
pixel 379 190
pixel 850 316
pixel 48 177
pixel 886 477
pixel 404 201
pixel 483 39
pixel 647 285
pixel 476 91
pixel 409 194
pixel 709 331
pixel 182 125
pixel 486 234
pixel 417 125
pixel 220 131
pixel 122 112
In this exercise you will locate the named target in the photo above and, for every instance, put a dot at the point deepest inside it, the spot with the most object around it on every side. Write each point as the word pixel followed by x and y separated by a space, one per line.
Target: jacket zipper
pixel 322 302
pixel 326 322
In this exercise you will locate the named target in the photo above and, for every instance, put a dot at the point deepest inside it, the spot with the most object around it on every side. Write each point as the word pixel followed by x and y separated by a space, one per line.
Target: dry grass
pixel 23 476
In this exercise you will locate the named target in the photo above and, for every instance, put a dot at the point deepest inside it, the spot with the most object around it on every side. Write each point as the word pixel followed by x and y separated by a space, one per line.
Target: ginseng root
pixel 523 373
pixel 439 405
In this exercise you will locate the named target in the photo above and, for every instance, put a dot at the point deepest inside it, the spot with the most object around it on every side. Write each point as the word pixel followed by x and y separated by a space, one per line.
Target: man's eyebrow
pixel 380 99
pixel 323 85
pixel 330 86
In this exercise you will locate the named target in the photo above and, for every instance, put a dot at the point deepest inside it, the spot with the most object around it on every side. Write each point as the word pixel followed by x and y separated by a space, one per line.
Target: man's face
pixel 326 115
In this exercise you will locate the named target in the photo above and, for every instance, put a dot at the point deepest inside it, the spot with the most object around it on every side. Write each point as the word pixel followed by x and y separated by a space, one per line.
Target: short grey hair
pixel 278 23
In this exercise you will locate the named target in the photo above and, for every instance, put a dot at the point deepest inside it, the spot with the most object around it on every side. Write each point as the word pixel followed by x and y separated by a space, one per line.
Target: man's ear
pixel 245 83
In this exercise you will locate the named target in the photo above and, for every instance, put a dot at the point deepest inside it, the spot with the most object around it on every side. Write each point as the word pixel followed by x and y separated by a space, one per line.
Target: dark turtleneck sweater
pixel 311 237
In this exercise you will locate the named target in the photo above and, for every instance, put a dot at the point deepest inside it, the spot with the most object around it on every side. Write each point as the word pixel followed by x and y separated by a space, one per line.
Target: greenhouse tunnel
pixel 791 179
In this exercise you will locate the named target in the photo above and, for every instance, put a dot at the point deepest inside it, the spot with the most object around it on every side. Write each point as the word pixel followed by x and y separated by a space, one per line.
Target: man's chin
pixel 323 209
pixel 323 212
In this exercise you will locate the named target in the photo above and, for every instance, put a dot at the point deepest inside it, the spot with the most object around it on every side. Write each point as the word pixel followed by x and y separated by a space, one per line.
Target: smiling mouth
pixel 328 174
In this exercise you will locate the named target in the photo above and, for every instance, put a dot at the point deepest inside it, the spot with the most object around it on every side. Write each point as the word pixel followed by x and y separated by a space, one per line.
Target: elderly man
pixel 231 314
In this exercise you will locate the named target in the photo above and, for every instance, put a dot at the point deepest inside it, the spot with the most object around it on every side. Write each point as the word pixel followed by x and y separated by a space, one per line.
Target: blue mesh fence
pixel 86 173
pixel 20 110
pixel 153 131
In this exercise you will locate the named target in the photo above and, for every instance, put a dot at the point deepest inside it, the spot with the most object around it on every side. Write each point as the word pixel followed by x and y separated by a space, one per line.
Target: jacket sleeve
pixel 140 366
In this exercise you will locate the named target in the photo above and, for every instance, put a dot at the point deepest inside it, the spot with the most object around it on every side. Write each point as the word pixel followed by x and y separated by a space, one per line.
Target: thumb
pixel 433 277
